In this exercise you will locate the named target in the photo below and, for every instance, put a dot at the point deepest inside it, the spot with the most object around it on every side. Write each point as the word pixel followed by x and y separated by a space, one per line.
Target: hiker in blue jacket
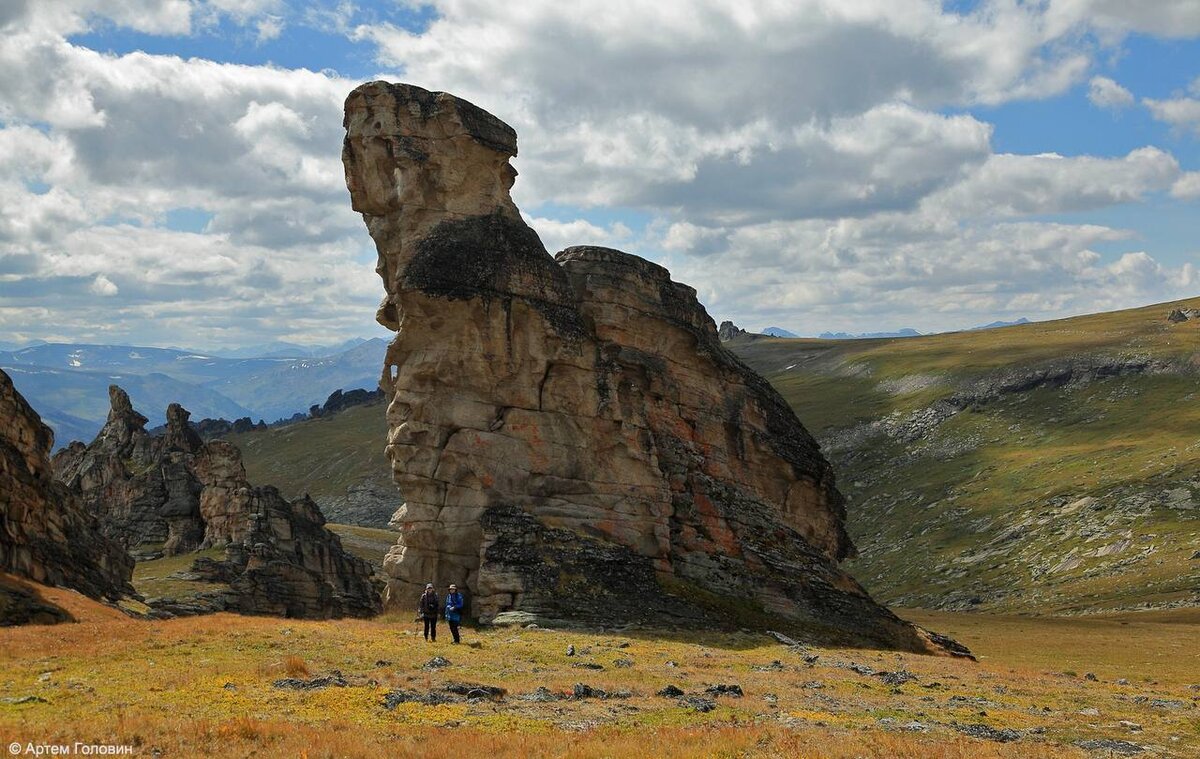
pixel 454 607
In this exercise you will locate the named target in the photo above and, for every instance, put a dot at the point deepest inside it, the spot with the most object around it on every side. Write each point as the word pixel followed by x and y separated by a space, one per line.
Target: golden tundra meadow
pixel 205 686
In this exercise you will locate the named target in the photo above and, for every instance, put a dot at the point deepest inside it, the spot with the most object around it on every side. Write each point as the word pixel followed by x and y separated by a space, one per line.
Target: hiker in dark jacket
pixel 427 609
pixel 454 607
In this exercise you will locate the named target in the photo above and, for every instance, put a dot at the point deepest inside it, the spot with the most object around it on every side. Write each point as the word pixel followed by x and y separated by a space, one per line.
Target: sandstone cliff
pixel 174 493
pixel 570 436
pixel 45 533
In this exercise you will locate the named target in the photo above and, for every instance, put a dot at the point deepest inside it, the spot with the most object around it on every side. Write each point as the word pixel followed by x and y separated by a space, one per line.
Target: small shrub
pixel 294 666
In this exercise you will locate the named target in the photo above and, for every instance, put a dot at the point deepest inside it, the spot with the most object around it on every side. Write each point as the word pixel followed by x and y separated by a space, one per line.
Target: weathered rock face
pixel 46 534
pixel 171 490
pixel 289 565
pixel 183 493
pixel 570 436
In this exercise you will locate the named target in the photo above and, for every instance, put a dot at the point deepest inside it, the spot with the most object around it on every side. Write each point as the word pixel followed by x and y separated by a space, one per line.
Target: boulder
pixel 570 436
pixel 46 533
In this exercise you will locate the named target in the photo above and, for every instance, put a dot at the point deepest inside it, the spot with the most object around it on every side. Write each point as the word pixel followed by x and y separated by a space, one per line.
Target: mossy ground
pixel 203 687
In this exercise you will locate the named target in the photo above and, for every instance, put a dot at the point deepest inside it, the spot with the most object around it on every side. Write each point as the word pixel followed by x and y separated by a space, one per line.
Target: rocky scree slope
pixel 1044 467
pixel 570 437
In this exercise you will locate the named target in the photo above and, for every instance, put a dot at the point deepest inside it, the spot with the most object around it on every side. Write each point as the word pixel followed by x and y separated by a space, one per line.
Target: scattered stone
pixel 623 663
pixel 472 691
pixel 811 659
pixel 785 640
pixel 861 669
pixel 1090 711
pixel 1177 315
pixel 775 666
pixel 571 650
pixel 896 678
pixel 436 662
pixel 724 690
pixel 703 705
pixel 672 664
pixel 581 691
pixel 1122 681
pixel 987 732
pixel 1132 727
pixel 916 727
pixel 541 695
pixel 16 701
pixel 813 685
pixel 587 665
pixel 229 686
pixel 1090 676
pixel 1167 703
pixel 401 696
pixel 383 663
pixel 332 680
pixel 670 692
pixel 1124 748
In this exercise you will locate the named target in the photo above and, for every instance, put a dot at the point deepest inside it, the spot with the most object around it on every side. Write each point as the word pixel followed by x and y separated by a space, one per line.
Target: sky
pixel 170 169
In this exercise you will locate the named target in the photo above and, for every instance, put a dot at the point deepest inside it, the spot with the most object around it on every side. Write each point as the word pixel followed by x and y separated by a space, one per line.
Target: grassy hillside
pixel 338 460
pixel 207 686
pixel 1052 466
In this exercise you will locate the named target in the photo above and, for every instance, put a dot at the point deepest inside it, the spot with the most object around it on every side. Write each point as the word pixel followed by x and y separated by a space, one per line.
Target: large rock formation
pixel 45 533
pixel 570 436
pixel 170 492
pixel 174 493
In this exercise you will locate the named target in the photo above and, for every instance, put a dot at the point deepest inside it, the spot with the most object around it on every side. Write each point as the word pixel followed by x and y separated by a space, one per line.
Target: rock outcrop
pixel 570 436
pixel 728 331
pixel 46 535
pixel 289 565
pixel 1178 315
pixel 175 493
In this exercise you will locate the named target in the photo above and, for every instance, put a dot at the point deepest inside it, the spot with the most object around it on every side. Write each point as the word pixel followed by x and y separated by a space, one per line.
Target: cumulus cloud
pixel 1181 112
pixel 1187 187
pixel 822 151
pixel 1022 185
pixel 102 285
pixel 1106 93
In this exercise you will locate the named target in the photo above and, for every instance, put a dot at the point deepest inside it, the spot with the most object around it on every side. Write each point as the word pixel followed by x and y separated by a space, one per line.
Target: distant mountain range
pixel 906 332
pixel 68 382
pixel 778 332
pixel 995 325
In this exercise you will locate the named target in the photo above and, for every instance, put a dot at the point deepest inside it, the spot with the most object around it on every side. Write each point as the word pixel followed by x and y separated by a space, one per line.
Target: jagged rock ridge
pixel 46 535
pixel 175 493
pixel 570 436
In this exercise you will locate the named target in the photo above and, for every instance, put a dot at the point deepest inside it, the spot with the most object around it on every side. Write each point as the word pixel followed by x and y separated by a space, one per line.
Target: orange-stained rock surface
pixel 570 437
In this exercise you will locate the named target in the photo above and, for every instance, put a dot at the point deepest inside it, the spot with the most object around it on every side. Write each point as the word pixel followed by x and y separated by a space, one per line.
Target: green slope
pixel 338 460
pixel 1052 466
